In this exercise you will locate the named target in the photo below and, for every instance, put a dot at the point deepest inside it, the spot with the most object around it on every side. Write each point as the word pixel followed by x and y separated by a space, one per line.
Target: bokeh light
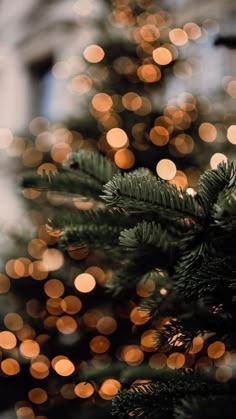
pixel 166 169
pixel 216 159
pixel 84 390
pixel 85 282
pixel 93 53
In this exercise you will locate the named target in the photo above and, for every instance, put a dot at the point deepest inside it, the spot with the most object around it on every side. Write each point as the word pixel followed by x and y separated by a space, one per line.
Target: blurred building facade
pixel 41 44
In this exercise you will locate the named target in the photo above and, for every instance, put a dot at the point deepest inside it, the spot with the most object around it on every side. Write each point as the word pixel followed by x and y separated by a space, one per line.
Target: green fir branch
pixel 91 165
pixel 63 182
pixel 160 399
pixel 93 235
pixel 147 234
pixel 143 194
pixel 213 182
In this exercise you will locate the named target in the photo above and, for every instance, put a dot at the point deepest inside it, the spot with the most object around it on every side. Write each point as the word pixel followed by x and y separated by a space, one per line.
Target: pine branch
pixel 86 173
pixel 145 234
pixel 212 182
pixel 90 234
pixel 143 194
pixel 96 216
pixel 212 406
pixel 91 164
pixel 206 276
pixel 160 400
pixel 67 183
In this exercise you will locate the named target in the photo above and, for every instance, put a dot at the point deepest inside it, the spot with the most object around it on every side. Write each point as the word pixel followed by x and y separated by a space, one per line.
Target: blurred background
pixel 147 83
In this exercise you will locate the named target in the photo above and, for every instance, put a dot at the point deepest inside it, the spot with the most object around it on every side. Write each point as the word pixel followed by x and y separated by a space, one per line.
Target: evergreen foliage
pixel 185 244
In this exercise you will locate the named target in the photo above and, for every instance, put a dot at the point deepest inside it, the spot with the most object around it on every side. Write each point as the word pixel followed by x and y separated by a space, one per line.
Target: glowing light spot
pixel 13 321
pixel 85 282
pixel 10 268
pixel 133 355
pixel 124 158
pixel 36 248
pixel 183 144
pixel 60 152
pixel 231 134
pixel 84 390
pixel 117 138
pixel 93 53
pixel 71 304
pixel 54 288
pixel 99 344
pixel 52 259
pixel 158 361
pixel 54 306
pixel 38 125
pixel 7 340
pixel 149 73
pixel 159 135
pixel 138 316
pixel 27 332
pixel 38 271
pixel 80 84
pixel 29 348
pixel 175 360
pixel 5 284
pixel 66 325
pixel 180 180
pixel 216 350
pixel 216 159
pixel 37 395
pixel 166 169
pixel 102 102
pixel 109 388
pixel 106 325
pixel 197 345
pixel 24 412
pixel 207 132
pixel 148 340
pixel 162 56
pixel 64 367
pixel 193 31
pixel 10 366
pixel 178 37
pixel 149 32
pixel 44 141
pixel 39 368
pixel 131 101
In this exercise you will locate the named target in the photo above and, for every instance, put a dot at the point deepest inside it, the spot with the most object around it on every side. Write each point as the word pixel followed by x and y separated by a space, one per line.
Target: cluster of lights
pixel 64 310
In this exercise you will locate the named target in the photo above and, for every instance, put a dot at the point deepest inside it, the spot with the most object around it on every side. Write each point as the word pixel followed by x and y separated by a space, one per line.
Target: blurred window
pixel 42 87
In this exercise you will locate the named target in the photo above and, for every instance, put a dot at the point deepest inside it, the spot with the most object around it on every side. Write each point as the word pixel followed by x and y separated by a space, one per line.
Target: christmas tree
pixel 183 246
pixel 124 293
